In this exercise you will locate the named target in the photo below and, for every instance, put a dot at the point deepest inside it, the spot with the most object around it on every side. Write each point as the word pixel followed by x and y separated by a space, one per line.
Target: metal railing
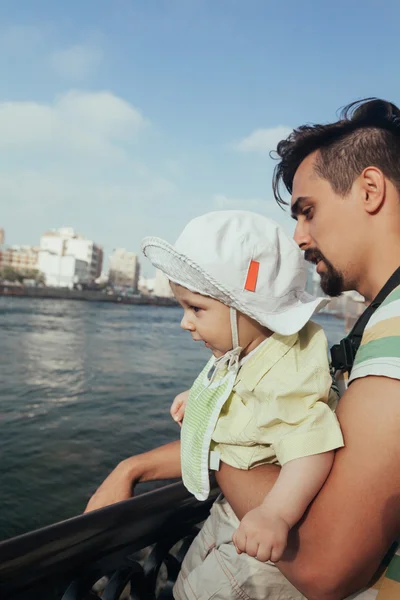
pixel 65 560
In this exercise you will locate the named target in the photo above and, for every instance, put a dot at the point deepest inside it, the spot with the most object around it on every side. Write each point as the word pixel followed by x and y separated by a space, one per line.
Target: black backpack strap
pixel 344 353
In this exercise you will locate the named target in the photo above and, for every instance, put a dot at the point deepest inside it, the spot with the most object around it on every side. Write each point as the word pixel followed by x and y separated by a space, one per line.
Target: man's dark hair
pixel 367 134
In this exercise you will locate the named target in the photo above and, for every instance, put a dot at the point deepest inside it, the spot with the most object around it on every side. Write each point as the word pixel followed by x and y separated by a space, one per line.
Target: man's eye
pixel 308 213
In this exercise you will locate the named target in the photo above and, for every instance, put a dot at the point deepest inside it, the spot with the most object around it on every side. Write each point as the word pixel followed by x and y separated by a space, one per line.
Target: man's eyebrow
pixel 297 206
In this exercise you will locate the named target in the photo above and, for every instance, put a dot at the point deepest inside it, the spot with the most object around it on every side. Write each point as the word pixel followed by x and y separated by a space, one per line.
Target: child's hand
pixel 262 534
pixel 178 406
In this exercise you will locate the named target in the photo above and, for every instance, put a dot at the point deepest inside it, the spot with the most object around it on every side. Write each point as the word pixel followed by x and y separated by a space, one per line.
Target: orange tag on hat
pixel 252 275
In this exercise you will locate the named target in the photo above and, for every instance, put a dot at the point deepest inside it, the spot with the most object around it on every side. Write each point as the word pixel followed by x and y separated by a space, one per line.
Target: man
pixel 344 179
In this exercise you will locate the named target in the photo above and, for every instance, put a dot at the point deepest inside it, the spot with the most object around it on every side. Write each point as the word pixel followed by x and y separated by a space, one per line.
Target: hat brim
pixel 181 270
pixel 287 322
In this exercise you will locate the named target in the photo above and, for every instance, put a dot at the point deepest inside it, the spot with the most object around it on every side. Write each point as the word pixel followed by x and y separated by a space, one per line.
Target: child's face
pixel 206 319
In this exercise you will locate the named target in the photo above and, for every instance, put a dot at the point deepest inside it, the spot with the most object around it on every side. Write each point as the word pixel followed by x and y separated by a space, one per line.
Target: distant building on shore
pixel 124 269
pixel 67 258
pixel 19 258
pixel 146 285
pixel 162 289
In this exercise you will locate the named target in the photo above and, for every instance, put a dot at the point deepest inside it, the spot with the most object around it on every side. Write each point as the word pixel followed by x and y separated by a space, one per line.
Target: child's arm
pixel 178 406
pixel 263 531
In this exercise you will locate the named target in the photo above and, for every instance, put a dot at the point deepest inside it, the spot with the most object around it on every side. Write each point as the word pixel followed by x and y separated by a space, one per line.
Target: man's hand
pixel 178 406
pixel 118 486
pixel 163 462
pixel 262 534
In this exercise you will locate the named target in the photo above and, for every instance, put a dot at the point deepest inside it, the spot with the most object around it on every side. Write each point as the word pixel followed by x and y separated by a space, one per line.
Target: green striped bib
pixel 206 399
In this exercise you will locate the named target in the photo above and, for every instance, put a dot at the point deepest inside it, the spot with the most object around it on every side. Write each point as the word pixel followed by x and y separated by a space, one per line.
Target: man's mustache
pixel 313 255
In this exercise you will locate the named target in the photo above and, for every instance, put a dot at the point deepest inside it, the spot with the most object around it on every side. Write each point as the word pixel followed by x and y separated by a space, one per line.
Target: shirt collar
pixel 264 358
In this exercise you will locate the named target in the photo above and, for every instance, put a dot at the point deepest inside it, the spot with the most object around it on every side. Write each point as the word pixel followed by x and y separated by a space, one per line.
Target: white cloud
pixel 49 190
pixel 75 162
pixel 110 211
pixel 262 140
pixel 93 124
pixel 77 62
pixel 174 168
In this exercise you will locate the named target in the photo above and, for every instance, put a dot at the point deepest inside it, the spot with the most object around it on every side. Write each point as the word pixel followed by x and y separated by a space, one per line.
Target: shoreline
pixel 83 295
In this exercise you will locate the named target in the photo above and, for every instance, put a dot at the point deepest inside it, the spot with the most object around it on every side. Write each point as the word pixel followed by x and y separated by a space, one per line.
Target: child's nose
pixel 186 323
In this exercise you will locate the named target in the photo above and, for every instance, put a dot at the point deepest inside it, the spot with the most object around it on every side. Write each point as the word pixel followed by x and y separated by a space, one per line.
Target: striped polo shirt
pixel 379 354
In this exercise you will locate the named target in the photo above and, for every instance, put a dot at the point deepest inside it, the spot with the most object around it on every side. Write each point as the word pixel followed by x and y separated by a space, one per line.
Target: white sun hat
pixel 244 260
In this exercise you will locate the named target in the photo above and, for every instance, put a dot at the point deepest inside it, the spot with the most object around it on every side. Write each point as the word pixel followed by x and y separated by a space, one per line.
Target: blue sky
pixel 126 119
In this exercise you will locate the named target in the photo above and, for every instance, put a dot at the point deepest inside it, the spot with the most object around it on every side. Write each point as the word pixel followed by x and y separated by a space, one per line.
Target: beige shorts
pixel 213 569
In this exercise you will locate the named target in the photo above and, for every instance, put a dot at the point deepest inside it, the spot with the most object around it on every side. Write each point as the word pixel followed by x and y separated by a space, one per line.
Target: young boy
pixel 263 397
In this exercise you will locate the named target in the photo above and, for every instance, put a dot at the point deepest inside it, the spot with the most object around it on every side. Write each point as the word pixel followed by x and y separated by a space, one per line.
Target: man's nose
pixel 301 236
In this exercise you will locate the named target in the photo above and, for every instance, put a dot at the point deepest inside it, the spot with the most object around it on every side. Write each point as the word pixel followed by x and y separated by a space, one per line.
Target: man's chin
pixel 332 285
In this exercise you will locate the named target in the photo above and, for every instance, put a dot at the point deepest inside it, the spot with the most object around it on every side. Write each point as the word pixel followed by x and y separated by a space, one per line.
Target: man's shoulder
pixel 379 352
pixel 389 309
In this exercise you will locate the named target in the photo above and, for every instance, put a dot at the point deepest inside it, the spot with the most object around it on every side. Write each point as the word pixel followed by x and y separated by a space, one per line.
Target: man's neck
pixel 377 275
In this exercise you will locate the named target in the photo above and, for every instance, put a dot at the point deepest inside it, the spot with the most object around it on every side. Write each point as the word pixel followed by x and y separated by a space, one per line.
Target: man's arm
pixel 263 532
pixel 161 463
pixel 356 516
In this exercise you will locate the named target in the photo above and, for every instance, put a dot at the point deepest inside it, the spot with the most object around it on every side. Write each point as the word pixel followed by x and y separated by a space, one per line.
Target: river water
pixel 83 385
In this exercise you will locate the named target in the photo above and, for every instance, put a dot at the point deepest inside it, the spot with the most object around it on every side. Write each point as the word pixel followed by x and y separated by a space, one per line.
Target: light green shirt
pixel 281 405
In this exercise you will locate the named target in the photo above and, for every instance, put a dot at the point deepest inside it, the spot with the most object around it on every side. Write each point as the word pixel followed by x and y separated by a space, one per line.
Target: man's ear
pixel 373 188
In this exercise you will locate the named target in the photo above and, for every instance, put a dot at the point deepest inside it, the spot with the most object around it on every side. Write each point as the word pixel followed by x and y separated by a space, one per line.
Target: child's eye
pixel 195 309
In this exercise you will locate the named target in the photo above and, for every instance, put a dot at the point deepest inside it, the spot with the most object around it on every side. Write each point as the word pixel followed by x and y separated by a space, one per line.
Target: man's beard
pixel 332 282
